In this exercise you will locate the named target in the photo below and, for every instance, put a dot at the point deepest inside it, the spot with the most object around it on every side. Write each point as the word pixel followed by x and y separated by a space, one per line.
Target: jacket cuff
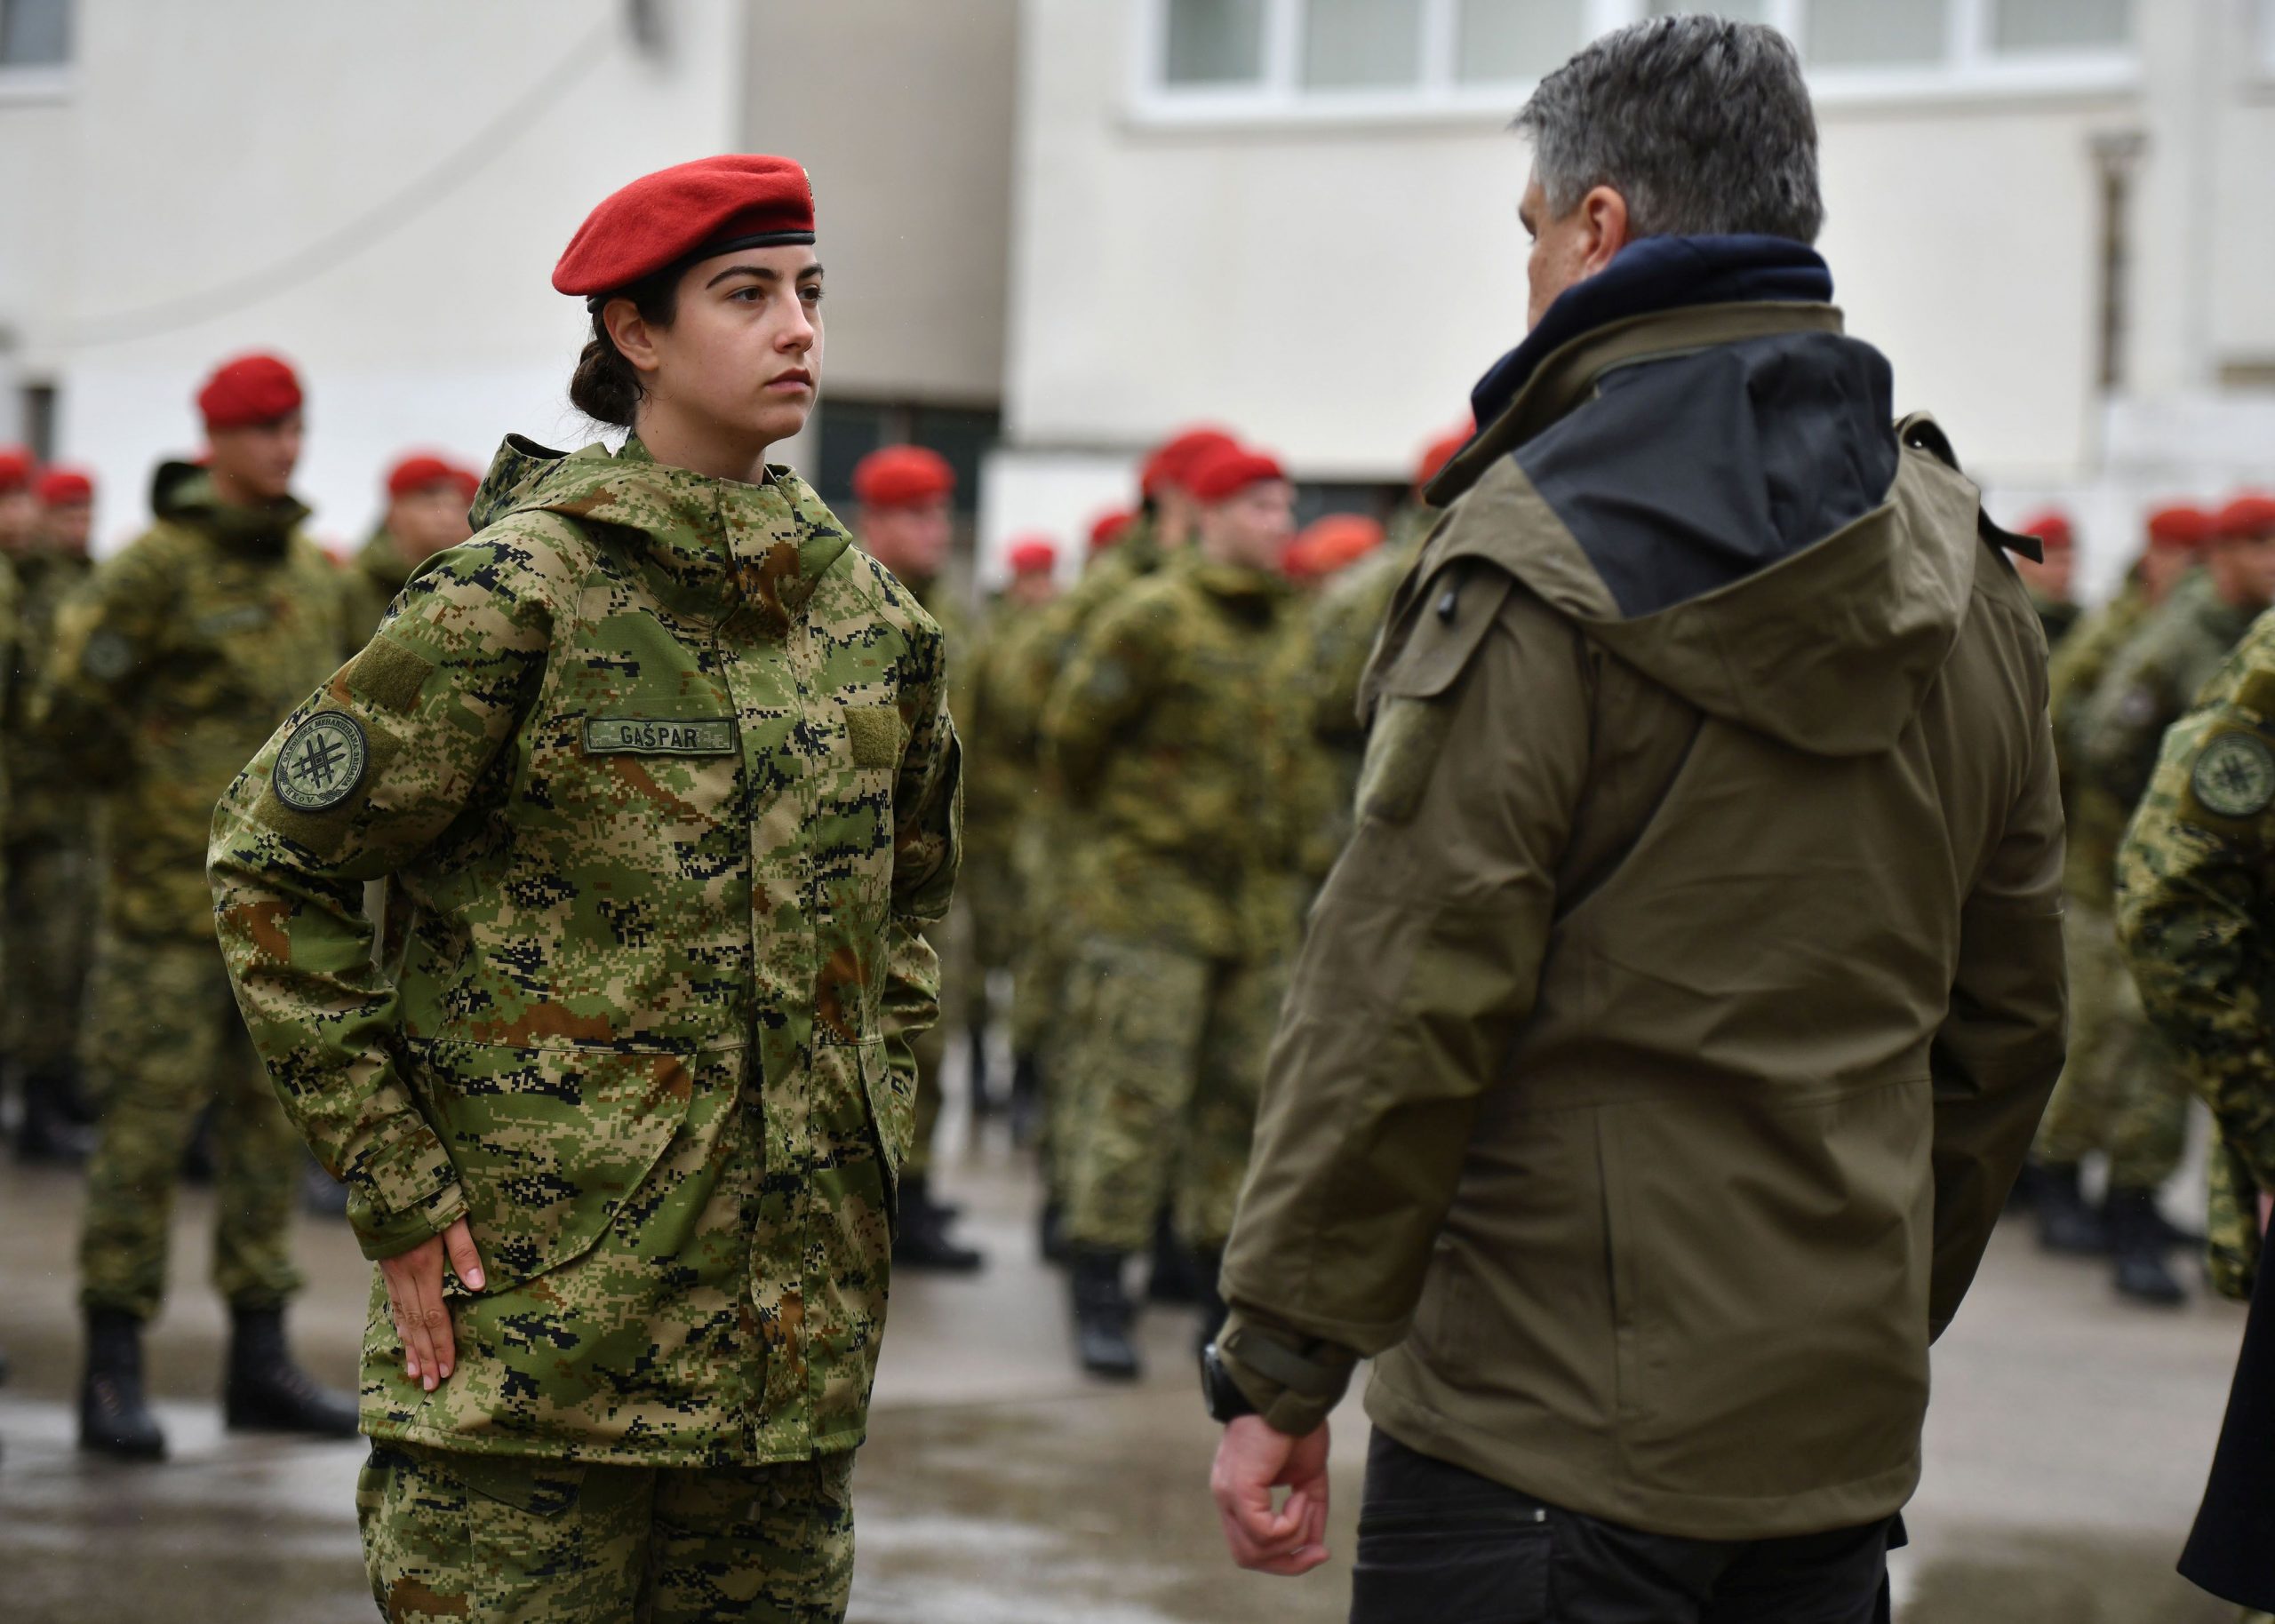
pixel 402 1193
pixel 1293 1381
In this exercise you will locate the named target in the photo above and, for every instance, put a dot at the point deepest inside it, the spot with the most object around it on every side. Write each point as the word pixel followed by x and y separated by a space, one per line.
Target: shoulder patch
pixel 107 657
pixel 875 730
pixel 2234 775
pixel 321 763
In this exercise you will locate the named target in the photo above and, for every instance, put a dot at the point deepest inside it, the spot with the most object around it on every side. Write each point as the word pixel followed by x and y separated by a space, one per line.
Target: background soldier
pixel 170 664
pixel 905 523
pixel 50 854
pixel 1000 735
pixel 2107 1046
pixel 2049 576
pixel 427 502
pixel 2195 899
pixel 2150 684
pixel 1169 728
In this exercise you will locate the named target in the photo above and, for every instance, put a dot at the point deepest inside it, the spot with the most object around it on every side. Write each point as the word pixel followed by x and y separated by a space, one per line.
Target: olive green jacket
pixel 1665 1044
pixel 660 772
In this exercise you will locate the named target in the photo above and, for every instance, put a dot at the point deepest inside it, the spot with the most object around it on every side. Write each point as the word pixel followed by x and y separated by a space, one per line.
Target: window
pixel 1334 60
pixel 848 430
pixel 35 33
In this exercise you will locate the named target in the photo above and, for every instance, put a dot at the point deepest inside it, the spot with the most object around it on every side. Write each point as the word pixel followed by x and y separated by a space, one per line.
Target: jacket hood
pixel 1716 497
pixel 183 493
pixel 710 545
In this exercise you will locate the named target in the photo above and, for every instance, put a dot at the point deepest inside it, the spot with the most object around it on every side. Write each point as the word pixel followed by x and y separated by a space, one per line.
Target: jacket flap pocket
pixel 549 1143
pixel 1440 630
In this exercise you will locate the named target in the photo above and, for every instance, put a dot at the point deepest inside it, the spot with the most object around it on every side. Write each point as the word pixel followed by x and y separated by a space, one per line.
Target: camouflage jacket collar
pixel 710 547
pixel 380 560
pixel 183 494
pixel 1252 591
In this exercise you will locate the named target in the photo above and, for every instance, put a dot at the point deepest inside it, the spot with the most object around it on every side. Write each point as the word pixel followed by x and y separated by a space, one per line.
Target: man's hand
pixel 422 1321
pixel 1252 1461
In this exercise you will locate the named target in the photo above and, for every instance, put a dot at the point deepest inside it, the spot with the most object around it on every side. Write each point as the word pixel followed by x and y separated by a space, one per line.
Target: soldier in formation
pixel 426 512
pixel 666 766
pixel 2123 1087
pixel 902 518
pixel 166 672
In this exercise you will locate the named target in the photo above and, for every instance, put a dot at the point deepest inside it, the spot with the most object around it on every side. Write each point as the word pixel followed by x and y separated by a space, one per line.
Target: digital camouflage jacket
pixel 2151 681
pixel 2196 897
pixel 171 664
pixel 660 772
pixel 45 805
pixel 1172 729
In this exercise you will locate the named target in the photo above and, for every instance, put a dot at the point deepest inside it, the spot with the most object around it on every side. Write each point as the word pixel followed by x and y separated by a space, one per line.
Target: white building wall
pixel 377 191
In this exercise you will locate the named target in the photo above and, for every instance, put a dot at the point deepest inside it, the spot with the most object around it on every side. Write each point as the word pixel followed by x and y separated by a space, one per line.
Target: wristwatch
pixel 1227 1402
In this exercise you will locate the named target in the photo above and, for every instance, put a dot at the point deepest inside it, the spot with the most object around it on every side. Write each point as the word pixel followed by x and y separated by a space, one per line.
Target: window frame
pixel 1971 67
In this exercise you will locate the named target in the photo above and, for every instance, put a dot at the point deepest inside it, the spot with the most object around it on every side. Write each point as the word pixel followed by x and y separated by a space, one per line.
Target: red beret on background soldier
pixel 18 506
pixel 1331 545
pixel 67 502
pixel 427 496
pixel 1108 529
pixel 2049 578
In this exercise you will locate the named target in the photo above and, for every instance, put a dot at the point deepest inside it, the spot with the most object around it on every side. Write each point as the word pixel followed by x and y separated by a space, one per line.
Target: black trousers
pixel 1441 1545
pixel 2232 1552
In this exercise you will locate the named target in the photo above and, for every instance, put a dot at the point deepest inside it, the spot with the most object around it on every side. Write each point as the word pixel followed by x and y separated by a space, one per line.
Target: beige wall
pixel 903 114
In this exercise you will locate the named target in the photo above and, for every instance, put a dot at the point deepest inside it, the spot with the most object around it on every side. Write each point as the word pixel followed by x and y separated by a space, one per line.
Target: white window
pixel 1337 60
pixel 35 33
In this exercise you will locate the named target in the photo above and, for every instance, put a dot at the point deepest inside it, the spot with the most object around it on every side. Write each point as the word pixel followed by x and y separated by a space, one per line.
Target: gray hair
pixel 1703 124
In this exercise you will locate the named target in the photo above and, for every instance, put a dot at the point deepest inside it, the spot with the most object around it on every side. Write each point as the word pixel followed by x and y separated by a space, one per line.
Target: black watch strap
pixel 1225 1401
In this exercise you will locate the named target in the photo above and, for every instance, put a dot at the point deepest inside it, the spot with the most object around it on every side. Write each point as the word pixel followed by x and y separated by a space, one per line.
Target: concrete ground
pixel 2066 1447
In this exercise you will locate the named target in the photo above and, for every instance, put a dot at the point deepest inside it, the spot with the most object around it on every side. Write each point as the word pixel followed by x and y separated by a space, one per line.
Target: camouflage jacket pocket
pixel 549 1143
pixel 889 1098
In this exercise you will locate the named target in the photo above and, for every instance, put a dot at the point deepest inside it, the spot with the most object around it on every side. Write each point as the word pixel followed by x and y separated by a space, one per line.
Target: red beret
pixel 1172 461
pixel 417 472
pixel 1439 452
pixel 1333 543
pixel 2248 517
pixel 2179 528
pixel 2052 529
pixel 1034 556
pixel 1228 471
pixel 251 389
pixel 902 476
pixel 1106 528
pixel 16 468
pixel 60 487
pixel 687 212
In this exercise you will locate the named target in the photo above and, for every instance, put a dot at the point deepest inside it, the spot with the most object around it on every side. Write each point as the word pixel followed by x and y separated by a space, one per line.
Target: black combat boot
pixel 266 1391
pixel 50 1132
pixel 1171 1277
pixel 2066 1224
pixel 1207 1266
pixel 924 1243
pixel 1102 1311
pixel 2136 1235
pixel 114 1418
pixel 1026 1100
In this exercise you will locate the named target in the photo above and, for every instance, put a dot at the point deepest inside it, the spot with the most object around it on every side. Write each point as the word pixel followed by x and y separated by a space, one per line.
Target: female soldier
pixel 660 772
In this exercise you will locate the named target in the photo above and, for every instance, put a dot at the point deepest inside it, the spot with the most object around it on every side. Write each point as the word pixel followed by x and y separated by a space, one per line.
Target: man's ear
pixel 1605 212
pixel 631 333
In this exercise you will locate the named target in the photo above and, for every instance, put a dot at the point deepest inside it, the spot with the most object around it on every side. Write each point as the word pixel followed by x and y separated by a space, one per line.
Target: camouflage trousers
pixel 989 884
pixel 963 991
pixel 1167 1063
pixel 2120 1093
pixel 523 1540
pixel 160 1039
pixel 48 928
pixel 2231 1240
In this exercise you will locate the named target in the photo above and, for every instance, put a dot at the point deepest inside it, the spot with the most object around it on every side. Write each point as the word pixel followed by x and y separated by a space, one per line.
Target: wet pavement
pixel 2066 1448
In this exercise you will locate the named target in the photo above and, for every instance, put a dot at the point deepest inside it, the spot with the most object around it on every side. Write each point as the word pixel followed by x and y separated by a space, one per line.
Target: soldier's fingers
pixel 466 1262
pixel 437 1314
pixel 400 1321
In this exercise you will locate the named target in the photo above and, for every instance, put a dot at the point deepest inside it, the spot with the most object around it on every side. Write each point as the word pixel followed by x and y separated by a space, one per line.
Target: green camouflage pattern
pixel 451 1537
pixel 50 893
pixel 171 663
pixel 2193 898
pixel 1345 622
pixel 1169 1064
pixel 2057 617
pixel 647 1025
pixel 2151 681
pixel 163 1043
pixel 368 584
pixel 2121 1090
pixel 47 805
pixel 2073 675
pixel 1001 730
pixel 1173 732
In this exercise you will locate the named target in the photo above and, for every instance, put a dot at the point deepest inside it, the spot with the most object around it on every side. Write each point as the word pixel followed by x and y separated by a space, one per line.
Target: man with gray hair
pixel 1670 1032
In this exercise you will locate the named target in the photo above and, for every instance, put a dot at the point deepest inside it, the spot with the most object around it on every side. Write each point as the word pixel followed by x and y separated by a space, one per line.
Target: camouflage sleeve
pixel 2194 905
pixel 1999 1048
pixel 108 630
pixel 2118 729
pixel 359 780
pixel 1105 686
pixel 928 840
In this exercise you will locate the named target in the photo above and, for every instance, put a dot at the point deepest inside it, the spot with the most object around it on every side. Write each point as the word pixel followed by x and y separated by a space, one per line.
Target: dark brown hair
pixel 604 386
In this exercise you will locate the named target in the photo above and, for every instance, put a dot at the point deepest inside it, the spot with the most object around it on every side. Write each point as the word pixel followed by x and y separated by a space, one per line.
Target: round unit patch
pixel 2234 775
pixel 321 763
